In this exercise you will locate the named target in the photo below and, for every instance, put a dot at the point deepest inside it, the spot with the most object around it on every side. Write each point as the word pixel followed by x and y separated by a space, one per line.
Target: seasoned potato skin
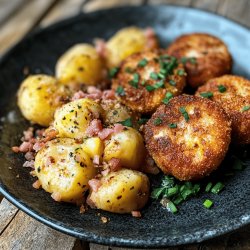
pixel 81 64
pixel 236 96
pixel 73 118
pixel 140 99
pixel 128 146
pixel 68 171
pixel 126 42
pixel 212 57
pixel 197 146
pixel 121 192
pixel 93 146
pixel 38 97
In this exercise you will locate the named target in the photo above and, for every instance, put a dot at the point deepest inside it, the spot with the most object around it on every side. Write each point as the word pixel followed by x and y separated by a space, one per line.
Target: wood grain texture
pixel 210 5
pixel 175 2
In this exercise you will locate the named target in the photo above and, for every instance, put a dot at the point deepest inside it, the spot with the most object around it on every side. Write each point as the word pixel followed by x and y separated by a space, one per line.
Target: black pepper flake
pixel 119 197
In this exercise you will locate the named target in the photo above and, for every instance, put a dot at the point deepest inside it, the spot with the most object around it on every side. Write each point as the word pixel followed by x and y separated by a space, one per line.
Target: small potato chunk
pixel 64 169
pixel 38 97
pixel 73 118
pixel 127 146
pixel 126 42
pixel 81 64
pixel 93 146
pixel 121 192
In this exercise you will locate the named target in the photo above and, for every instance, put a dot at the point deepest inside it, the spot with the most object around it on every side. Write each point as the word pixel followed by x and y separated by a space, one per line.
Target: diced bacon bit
pixel 82 209
pixel 36 184
pixel 105 133
pixel 104 219
pixel 100 47
pixel 49 161
pixel 90 202
pixel 94 184
pixel 93 90
pixel 118 128
pixel 33 173
pixel 136 214
pixel 150 167
pixel 106 171
pixel 78 95
pixel 29 164
pixel 25 147
pixel 96 159
pixel 94 128
pixel 108 94
pixel 29 156
pixel 77 158
pixel 49 134
pixel 15 149
pixel 56 196
pixel 115 164
pixel 28 134
pixel 40 132
pixel 151 38
pixel 38 145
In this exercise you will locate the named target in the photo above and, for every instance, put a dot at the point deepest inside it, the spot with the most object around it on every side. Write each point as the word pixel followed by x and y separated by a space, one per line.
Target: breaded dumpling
pixel 189 137
pixel 204 55
pixel 233 94
pixel 146 79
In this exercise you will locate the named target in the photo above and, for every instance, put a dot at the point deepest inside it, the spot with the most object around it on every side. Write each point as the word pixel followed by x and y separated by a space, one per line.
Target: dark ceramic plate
pixel 158 227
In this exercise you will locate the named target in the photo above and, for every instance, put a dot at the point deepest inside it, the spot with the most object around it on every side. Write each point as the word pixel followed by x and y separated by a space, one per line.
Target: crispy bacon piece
pixel 29 164
pixel 100 47
pixel 108 94
pixel 105 133
pixel 115 164
pixel 38 145
pixel 118 128
pixel 96 159
pixel 136 214
pixel 36 184
pixel 25 147
pixel 56 196
pixel 94 184
pixel 94 128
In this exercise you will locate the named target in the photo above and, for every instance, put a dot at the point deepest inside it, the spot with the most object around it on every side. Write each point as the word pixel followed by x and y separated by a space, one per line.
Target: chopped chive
pixel 143 82
pixel 165 57
pixel 222 88
pixel 161 75
pixel 159 84
pixel 133 84
pixel 207 203
pixel 149 88
pixel 156 193
pixel 180 72
pixel 186 193
pixel 172 82
pixel 172 125
pixel 143 62
pixel 171 207
pixel 178 200
pixel 208 187
pixel 127 122
pixel 184 60
pixel 184 113
pixel 217 188
pixel 129 70
pixel 113 72
pixel 172 191
pixel 136 77
pixel 120 91
pixel 196 188
pixel 157 121
pixel 207 94
pixel 245 108
pixel 142 121
pixel 168 96
pixel 192 60
pixel 154 76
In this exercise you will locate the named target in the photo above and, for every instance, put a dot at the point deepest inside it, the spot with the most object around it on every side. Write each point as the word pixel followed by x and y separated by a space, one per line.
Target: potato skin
pixel 81 64
pixel 93 146
pixel 121 192
pixel 128 146
pixel 140 99
pixel 236 96
pixel 63 168
pixel 126 42
pixel 195 147
pixel 212 57
pixel 38 97
pixel 73 118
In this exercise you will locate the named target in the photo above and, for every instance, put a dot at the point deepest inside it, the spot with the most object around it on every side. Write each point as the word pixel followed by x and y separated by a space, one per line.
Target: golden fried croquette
pixel 145 79
pixel 189 137
pixel 233 94
pixel 205 57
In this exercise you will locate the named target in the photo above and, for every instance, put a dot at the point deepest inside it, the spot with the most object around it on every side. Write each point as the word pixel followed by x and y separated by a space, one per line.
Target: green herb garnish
pixel 142 121
pixel 135 81
pixel 222 88
pixel 167 97
pixel 172 125
pixel 150 88
pixel 120 91
pixel 207 94
pixel 154 76
pixel 129 70
pixel 157 121
pixel 207 203
pixel 113 72
pixel 184 113
pixel 172 82
pixel 127 122
pixel 245 108
pixel 217 188
pixel 143 63
pixel 180 72
pixel 208 187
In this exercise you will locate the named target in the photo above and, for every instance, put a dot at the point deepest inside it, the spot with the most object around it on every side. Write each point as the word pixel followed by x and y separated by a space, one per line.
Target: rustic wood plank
pixel 175 2
pixel 210 5
pixel 100 4
pixel 23 232
pixel 62 10
pixel 23 22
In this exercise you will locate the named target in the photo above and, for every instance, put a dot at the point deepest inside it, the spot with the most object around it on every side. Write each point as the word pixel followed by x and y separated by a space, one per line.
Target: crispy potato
pixel 127 146
pixel 212 57
pixel 136 94
pixel 234 99
pixel 126 42
pixel 93 146
pixel 81 64
pixel 64 169
pixel 189 137
pixel 39 96
pixel 121 192
pixel 73 118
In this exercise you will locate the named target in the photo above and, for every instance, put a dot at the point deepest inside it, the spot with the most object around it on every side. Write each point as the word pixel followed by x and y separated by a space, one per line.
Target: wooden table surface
pixel 17 19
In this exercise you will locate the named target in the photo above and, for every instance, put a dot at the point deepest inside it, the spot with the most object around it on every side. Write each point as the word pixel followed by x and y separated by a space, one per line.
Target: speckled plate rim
pixel 197 237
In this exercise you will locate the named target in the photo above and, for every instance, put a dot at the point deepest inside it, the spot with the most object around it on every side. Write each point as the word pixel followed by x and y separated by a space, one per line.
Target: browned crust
pixel 236 96
pixel 197 146
pixel 139 99
pixel 212 56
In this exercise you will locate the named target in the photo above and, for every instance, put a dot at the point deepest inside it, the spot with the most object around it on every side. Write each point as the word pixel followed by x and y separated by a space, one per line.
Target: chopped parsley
pixel 172 125
pixel 127 122
pixel 150 88
pixel 222 88
pixel 135 81
pixel 172 82
pixel 113 72
pixel 143 62
pixel 157 121
pixel 120 91
pixel 184 113
pixel 181 72
pixel 168 96
pixel 142 121
pixel 154 76
pixel 207 94
pixel 245 108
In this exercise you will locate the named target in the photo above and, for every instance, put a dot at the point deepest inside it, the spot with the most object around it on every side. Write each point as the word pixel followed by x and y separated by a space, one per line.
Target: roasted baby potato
pixel 38 97
pixel 126 42
pixel 73 118
pixel 206 57
pixel 121 192
pixel 63 168
pixel 127 146
pixel 93 146
pixel 232 93
pixel 81 64
pixel 147 78
pixel 189 137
